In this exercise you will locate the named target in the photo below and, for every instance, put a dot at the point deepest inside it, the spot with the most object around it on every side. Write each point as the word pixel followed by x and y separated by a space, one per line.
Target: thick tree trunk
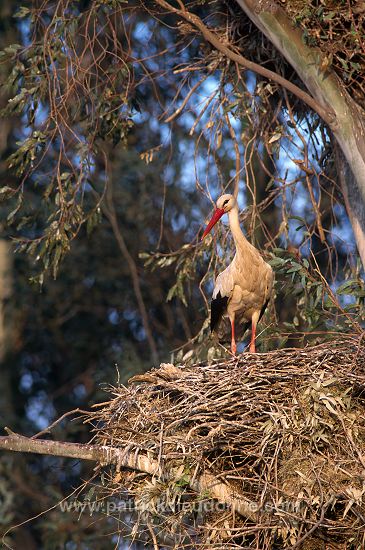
pixel 348 126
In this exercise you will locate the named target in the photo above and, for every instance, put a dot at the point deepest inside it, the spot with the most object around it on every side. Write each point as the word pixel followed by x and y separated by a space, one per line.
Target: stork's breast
pixel 244 302
pixel 251 278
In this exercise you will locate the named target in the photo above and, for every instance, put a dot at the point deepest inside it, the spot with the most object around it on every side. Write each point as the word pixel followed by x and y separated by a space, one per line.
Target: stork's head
pixel 225 203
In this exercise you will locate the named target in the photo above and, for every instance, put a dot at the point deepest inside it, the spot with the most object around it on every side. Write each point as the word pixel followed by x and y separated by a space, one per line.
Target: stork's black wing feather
pixel 218 307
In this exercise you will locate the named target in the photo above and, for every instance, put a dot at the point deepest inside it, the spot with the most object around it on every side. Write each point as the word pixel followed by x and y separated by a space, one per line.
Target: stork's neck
pixel 234 222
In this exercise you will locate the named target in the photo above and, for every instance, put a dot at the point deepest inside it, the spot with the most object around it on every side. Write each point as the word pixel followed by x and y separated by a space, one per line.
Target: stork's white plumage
pixel 242 291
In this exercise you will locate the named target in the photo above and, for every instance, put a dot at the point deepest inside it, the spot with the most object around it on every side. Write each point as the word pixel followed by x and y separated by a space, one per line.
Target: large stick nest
pixel 262 451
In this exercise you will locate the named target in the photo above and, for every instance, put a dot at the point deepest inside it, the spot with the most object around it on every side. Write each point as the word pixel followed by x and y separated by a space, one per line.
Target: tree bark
pixel 326 88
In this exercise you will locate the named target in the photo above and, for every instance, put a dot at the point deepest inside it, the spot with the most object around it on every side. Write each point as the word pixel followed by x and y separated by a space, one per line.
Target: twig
pixel 237 154
pixel 49 428
pixel 153 536
pixel 186 99
pixel 327 115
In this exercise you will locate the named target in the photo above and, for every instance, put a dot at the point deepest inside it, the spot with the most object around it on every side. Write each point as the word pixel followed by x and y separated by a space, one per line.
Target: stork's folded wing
pixel 218 308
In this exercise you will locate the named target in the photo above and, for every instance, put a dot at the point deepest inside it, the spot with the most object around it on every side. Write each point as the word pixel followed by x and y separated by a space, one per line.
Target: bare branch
pixel 19 443
pixel 128 458
pixel 326 114
pixel 237 155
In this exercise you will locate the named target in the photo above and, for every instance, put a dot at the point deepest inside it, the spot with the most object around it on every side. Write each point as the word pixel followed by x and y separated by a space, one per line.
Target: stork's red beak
pixel 218 213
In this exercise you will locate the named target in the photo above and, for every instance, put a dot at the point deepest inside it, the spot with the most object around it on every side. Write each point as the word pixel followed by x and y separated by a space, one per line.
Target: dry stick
pixel 316 210
pixel 308 172
pixel 327 115
pixel 237 154
pixel 199 116
pixel 153 536
pixel 112 217
pixel 352 442
pixel 128 458
pixel 51 426
pixel 353 323
pixel 188 96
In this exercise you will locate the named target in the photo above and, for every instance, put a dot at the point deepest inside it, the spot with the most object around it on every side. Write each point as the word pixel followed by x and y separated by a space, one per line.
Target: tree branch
pixel 327 114
pixel 19 443
pixel 129 458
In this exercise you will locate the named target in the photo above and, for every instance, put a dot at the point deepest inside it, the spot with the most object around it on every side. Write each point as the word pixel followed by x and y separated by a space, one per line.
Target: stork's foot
pixel 252 348
pixel 233 347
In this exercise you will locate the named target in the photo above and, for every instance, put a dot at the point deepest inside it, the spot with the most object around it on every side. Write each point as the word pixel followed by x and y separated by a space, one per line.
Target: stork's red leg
pixel 253 338
pixel 233 341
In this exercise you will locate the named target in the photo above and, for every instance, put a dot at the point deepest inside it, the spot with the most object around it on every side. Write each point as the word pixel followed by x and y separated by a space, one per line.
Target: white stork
pixel 242 291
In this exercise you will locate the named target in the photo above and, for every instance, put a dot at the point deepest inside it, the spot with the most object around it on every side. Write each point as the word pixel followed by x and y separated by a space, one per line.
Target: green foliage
pixel 68 119
pixel 187 261
pixel 336 29
pixel 318 306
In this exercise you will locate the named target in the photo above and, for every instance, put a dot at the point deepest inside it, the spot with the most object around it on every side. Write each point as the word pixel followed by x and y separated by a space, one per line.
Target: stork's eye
pixel 225 202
